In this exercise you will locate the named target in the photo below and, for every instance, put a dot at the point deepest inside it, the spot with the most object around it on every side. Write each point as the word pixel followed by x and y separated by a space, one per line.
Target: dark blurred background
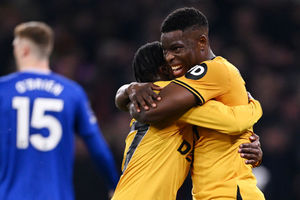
pixel 95 43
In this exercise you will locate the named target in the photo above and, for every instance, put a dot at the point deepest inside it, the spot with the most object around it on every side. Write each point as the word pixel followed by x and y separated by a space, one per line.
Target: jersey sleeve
pixel 225 119
pixel 86 122
pixel 89 131
pixel 206 81
pixel 103 159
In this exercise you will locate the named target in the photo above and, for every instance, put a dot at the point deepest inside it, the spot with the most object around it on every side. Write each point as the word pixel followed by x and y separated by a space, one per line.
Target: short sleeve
pixel 206 81
pixel 225 119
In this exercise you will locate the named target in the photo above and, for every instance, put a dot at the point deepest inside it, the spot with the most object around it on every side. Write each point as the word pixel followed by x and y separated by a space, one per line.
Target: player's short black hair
pixel 147 60
pixel 183 18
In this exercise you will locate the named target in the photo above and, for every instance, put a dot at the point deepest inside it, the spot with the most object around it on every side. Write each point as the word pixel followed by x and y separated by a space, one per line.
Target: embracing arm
pixel 225 119
pixel 175 101
pixel 122 98
pixel 140 94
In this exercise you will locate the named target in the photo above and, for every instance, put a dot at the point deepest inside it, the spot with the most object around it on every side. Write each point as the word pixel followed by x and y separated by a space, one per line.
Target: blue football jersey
pixel 39 114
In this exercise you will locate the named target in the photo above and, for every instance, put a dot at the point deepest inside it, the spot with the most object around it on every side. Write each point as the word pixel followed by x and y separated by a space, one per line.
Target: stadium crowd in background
pixel 96 40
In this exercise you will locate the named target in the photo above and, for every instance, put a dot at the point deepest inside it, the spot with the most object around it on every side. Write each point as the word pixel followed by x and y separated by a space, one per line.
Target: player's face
pixel 182 50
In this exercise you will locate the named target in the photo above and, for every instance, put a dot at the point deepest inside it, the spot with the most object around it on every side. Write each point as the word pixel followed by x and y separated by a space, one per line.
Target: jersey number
pixel 38 120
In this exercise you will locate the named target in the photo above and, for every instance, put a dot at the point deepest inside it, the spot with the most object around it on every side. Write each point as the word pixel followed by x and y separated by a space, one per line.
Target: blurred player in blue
pixel 39 113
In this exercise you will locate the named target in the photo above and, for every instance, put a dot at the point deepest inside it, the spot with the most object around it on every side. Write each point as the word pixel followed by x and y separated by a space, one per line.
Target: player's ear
pixel 202 42
pixel 26 50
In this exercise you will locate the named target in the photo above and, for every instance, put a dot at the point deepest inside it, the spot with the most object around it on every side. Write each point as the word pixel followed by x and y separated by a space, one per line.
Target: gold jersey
pixel 157 159
pixel 156 162
pixel 218 170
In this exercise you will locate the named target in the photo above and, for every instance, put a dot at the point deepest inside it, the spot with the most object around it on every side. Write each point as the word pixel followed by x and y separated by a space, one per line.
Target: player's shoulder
pixel 223 65
pixel 217 61
pixel 67 82
pixel 216 68
pixel 62 79
pixel 220 63
pixel 7 78
pixel 7 81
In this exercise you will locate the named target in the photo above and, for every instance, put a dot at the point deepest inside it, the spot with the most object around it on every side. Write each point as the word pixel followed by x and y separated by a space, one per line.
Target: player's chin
pixel 179 72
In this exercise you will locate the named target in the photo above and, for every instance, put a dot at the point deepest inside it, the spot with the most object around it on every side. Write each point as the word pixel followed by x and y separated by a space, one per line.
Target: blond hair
pixel 39 33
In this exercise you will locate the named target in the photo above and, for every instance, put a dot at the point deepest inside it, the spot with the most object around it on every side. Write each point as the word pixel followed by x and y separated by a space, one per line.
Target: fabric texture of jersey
pixel 39 114
pixel 159 162
pixel 157 158
pixel 218 169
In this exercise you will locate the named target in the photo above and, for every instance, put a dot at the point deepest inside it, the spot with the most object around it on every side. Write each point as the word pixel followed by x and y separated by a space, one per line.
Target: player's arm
pixel 175 101
pixel 225 119
pixel 122 98
pixel 89 131
pixel 194 88
pixel 102 157
pixel 140 94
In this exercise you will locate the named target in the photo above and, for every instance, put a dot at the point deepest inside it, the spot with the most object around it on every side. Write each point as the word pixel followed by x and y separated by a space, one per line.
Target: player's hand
pixel 252 151
pixel 142 95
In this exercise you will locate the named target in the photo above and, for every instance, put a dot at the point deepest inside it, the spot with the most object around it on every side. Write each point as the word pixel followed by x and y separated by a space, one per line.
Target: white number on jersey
pixel 38 120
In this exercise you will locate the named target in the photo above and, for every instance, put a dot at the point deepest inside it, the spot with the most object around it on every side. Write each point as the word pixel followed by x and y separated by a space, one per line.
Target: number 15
pixel 38 120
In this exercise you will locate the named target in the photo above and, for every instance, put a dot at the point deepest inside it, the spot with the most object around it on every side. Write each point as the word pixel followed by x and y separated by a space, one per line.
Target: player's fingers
pixel 133 100
pixel 245 150
pixel 154 94
pixel 136 106
pixel 246 145
pixel 250 162
pixel 136 100
pixel 142 103
pixel 254 145
pixel 149 100
pixel 255 139
pixel 249 156
pixel 249 150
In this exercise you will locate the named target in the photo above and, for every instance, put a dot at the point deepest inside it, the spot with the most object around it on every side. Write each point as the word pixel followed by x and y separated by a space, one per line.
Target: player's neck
pixel 34 64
